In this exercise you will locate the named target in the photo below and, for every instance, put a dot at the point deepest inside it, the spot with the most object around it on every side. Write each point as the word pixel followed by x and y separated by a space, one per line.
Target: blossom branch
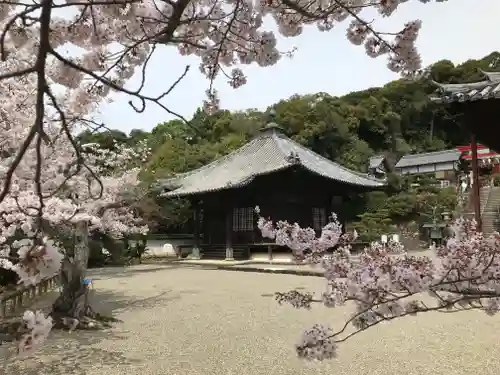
pixel 385 283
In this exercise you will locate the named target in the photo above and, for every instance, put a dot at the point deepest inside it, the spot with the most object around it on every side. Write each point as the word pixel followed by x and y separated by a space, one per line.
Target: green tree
pixel 392 120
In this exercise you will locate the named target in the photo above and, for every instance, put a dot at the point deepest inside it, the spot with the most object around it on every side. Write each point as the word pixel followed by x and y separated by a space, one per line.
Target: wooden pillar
pixel 336 207
pixel 270 253
pixel 229 233
pixel 329 206
pixel 195 252
pixel 475 184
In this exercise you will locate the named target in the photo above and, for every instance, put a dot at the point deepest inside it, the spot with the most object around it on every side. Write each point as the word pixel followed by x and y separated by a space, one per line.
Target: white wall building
pixel 442 164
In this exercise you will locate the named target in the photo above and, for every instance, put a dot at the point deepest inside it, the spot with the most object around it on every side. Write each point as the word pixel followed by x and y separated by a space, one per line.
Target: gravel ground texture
pixel 180 320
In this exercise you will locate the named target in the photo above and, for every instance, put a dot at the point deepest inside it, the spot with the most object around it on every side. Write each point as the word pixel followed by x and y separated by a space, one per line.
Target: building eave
pixel 269 152
pixel 489 88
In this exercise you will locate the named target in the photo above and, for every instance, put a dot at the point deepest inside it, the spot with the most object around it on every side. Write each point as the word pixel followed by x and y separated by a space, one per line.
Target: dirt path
pixel 188 321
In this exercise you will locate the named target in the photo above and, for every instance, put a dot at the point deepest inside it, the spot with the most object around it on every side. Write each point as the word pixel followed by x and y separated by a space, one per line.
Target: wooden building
pixel 478 102
pixel 377 166
pixel 443 165
pixel 286 180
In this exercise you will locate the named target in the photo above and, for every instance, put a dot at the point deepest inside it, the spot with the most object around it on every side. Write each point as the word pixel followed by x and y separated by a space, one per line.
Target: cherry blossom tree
pixel 60 59
pixel 42 237
pixel 385 283
pixel 92 47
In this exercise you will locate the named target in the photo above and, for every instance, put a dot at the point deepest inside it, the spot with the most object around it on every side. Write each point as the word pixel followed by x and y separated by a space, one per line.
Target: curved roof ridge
pixel 215 162
pixel 345 169
pixel 276 138
pixel 491 76
pixel 487 88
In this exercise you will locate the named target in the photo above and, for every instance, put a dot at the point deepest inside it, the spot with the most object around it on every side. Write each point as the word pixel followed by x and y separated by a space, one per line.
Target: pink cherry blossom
pixel 110 41
pixel 384 282
pixel 39 327
pixel 84 196
pixel 94 193
pixel 59 61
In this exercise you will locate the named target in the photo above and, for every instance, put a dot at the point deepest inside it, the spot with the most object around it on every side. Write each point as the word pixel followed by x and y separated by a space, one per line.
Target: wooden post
pixel 475 184
pixel 229 233
pixel 195 253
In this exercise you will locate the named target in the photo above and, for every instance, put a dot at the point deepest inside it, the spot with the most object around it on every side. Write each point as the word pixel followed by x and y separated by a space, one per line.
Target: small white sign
pixel 395 238
pixel 383 238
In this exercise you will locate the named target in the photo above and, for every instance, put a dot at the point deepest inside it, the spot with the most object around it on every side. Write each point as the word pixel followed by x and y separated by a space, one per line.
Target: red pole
pixel 475 184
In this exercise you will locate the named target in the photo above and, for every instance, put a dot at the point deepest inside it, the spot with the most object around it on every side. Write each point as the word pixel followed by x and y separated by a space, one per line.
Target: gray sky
pixel 324 62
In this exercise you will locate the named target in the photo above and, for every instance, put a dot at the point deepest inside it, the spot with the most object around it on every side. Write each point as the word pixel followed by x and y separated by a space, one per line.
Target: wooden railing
pixel 12 302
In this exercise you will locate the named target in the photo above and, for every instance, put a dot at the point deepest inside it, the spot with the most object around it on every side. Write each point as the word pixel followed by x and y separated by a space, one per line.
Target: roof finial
pixel 272 115
pixel 271 125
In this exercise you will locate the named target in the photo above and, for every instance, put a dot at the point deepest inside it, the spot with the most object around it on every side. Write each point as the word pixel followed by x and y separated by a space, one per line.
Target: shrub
pixel 388 211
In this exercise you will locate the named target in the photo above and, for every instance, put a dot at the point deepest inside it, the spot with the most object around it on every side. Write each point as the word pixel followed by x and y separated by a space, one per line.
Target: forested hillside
pixel 395 119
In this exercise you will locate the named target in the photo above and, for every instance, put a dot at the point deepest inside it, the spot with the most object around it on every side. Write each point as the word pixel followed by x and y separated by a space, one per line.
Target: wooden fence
pixel 12 302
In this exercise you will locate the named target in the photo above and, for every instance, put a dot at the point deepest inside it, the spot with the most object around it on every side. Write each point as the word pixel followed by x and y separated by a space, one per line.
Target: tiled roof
pixel 489 88
pixel 374 161
pixel 445 156
pixel 269 152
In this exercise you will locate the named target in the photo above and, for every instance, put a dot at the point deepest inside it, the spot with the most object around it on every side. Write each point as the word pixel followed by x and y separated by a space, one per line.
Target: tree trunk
pixel 115 248
pixel 72 306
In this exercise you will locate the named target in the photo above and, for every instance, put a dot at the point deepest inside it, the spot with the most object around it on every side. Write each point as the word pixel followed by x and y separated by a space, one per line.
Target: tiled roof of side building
pixel 489 88
pixel 269 152
pixel 445 156
pixel 375 161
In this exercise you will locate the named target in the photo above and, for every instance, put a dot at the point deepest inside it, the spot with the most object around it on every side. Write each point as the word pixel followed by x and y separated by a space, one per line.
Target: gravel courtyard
pixel 189 321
